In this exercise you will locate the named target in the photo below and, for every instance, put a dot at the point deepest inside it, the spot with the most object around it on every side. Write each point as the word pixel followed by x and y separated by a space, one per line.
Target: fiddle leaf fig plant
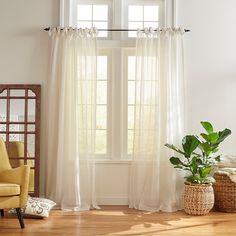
pixel 199 154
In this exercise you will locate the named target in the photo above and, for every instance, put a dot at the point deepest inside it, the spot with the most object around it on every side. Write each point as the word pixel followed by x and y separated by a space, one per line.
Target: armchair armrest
pixel 19 175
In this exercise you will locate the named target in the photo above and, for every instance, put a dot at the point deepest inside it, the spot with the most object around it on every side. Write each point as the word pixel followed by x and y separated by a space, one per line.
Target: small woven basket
pixel 198 198
pixel 225 193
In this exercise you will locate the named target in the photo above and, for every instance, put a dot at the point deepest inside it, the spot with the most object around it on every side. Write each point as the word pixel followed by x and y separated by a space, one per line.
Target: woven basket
pixel 225 193
pixel 198 198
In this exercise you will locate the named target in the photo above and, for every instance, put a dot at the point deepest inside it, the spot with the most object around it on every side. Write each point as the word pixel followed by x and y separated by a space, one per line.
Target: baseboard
pixel 112 200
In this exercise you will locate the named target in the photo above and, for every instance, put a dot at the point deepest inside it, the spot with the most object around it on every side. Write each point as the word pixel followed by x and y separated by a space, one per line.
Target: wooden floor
pixel 120 220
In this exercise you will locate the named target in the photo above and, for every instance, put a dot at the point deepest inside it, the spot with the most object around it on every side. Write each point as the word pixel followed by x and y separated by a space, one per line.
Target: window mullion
pixel 117 138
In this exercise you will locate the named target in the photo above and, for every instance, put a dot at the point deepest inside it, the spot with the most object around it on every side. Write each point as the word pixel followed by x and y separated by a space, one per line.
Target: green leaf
pixel 193 166
pixel 178 167
pixel 175 161
pixel 223 135
pixel 205 171
pixel 210 138
pixel 205 136
pixel 193 179
pixel 198 161
pixel 196 179
pixel 206 148
pixel 217 158
pixel 207 126
pixel 215 150
pixel 171 146
pixel 213 137
pixel 190 143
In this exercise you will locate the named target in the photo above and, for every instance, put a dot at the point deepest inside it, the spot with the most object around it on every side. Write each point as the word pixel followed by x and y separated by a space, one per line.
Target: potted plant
pixel 199 155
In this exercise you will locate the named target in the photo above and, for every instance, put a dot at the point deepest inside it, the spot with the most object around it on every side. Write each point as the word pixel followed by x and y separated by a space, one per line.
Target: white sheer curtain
pixel 71 119
pixel 159 119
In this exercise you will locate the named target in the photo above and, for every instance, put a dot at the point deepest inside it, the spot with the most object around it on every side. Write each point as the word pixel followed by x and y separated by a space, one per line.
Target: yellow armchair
pixel 16 149
pixel 14 185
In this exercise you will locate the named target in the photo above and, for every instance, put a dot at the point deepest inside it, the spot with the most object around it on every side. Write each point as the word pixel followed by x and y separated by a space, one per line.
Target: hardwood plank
pixel 120 220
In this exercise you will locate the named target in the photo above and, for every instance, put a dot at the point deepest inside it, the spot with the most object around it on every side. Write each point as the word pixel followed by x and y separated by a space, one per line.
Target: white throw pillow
pixel 36 207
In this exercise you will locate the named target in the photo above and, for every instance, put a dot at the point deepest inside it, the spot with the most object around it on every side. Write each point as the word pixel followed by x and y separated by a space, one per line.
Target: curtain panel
pixel 159 118
pixel 71 119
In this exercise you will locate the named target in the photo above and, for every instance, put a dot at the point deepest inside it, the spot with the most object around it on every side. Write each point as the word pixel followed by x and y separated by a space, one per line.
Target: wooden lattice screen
pixel 20 127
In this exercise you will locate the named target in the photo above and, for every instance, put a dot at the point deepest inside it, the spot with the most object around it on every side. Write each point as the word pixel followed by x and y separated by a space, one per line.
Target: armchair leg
pixel 2 212
pixel 20 217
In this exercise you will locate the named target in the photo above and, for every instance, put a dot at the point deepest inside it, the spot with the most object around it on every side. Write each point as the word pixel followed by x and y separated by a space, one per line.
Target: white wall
pixel 24 46
pixel 210 66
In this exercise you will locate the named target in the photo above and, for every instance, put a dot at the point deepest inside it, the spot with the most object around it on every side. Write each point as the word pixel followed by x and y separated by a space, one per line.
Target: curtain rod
pixel 47 29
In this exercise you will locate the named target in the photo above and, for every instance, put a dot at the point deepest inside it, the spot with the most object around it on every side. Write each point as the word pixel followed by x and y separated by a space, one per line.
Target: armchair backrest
pixel 4 160
pixel 16 149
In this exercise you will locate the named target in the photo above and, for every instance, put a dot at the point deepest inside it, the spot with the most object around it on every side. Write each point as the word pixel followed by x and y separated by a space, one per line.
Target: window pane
pixel 100 12
pixel 131 92
pixel 3 93
pixel 101 92
pixel 17 92
pixel 84 12
pixel 31 128
pixel 16 137
pixel 131 68
pixel 101 142
pixel 31 93
pixel 31 145
pixel 16 128
pixel 135 13
pixel 151 24
pixel 84 24
pixel 151 13
pixel 31 110
pixel 3 109
pixel 17 110
pixel 130 117
pixel 3 137
pixel 101 117
pixel 130 141
pixel 134 25
pixel 2 128
pixel 102 67
pixel 101 25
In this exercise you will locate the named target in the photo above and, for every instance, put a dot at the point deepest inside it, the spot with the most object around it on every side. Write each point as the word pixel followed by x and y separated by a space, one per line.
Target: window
pixel 116 67
pixel 141 16
pixel 93 15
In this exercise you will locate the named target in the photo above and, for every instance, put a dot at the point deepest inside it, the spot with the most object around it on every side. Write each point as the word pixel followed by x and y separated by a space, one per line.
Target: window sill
pixel 120 162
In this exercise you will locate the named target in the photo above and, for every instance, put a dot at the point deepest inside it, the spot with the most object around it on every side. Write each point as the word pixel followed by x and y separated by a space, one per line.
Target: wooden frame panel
pixel 36 89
